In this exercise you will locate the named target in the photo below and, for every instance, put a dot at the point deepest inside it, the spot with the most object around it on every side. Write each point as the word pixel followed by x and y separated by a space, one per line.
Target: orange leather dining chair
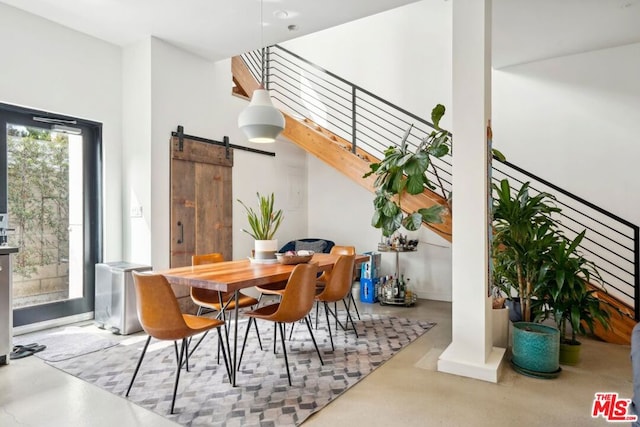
pixel 160 317
pixel 207 298
pixel 295 304
pixel 337 287
pixel 324 278
pixel 218 301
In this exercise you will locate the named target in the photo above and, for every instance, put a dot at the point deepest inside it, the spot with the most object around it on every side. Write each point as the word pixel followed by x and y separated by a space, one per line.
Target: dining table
pixel 233 276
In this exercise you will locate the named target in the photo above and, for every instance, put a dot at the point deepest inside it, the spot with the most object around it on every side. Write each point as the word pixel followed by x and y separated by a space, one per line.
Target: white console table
pixel 6 301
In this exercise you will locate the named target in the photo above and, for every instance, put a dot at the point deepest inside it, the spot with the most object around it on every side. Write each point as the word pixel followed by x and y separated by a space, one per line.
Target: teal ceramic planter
pixel 536 349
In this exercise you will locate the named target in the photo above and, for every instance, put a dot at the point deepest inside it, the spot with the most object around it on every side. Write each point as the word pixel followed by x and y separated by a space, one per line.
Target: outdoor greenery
pixel 266 221
pixel 38 172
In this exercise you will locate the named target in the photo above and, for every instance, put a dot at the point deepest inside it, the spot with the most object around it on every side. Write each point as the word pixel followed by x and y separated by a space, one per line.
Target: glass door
pixel 51 194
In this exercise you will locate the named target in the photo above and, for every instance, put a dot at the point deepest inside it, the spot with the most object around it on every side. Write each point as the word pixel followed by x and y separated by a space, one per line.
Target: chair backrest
pixel 157 306
pixel 343 250
pixel 340 279
pixel 314 243
pixel 206 258
pixel 207 294
pixel 297 299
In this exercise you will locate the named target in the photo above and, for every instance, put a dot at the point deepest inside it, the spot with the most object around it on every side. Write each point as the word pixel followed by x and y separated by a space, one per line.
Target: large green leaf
pixel 390 208
pixel 412 222
pixel 415 184
pixel 436 114
pixel 432 214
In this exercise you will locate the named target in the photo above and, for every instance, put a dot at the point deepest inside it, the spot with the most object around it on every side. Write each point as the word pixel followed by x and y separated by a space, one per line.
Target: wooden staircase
pixel 336 152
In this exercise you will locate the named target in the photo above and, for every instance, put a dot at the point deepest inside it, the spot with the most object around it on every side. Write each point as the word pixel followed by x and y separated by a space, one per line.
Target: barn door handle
pixel 181 239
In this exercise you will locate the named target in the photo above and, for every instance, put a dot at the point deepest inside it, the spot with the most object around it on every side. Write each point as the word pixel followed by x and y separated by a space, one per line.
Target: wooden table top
pixel 235 275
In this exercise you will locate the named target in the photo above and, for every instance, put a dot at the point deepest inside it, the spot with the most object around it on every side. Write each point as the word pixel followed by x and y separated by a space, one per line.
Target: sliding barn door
pixel 201 200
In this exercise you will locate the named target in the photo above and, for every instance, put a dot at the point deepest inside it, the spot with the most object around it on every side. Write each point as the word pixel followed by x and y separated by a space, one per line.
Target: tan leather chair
pixel 218 301
pixel 160 317
pixel 207 298
pixel 324 278
pixel 295 304
pixel 337 288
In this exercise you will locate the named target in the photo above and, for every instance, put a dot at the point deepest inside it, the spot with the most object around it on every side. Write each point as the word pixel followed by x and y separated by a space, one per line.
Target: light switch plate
pixel 136 212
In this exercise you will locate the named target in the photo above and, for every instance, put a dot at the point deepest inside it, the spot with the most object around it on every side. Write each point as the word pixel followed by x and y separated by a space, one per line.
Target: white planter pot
pixel 265 249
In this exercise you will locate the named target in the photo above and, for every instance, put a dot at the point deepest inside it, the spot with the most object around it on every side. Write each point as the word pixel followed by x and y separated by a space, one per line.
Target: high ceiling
pixel 523 30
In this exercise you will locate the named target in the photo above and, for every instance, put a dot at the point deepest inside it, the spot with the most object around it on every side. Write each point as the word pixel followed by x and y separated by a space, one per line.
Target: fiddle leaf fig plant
pixel 403 171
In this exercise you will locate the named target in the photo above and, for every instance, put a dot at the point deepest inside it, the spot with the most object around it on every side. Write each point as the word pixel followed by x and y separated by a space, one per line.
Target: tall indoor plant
pixel 568 298
pixel 524 234
pixel 264 223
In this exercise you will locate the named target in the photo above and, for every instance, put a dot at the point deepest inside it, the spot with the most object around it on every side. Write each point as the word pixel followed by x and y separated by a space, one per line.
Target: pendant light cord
pixel 263 49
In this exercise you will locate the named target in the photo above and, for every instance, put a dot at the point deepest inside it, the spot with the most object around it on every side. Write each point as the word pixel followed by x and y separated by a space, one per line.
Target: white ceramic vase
pixel 265 249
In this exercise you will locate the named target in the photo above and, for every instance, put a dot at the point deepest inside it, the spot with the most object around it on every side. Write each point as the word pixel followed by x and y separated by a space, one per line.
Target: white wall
pixel 402 55
pixel 49 67
pixel 189 91
pixel 136 148
pixel 574 121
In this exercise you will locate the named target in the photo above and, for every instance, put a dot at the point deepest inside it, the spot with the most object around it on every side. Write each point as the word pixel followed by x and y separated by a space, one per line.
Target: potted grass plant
pixel 264 223
pixel 568 298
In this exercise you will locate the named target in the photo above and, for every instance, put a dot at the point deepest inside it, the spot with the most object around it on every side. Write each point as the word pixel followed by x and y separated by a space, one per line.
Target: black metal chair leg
pixel 175 385
pixel 255 324
pixel 326 312
pixel 353 300
pixel 244 342
pixel 291 331
pixel 144 350
pixel 284 350
pixel 186 353
pixel 224 354
pixel 349 319
pixel 313 339
pixel 317 309
pixel 275 337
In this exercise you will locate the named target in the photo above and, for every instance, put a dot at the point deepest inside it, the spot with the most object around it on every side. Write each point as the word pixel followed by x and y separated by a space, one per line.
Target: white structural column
pixel 471 353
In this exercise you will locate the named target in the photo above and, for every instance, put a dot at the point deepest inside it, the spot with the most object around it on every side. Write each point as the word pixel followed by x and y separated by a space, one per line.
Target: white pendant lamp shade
pixel 261 121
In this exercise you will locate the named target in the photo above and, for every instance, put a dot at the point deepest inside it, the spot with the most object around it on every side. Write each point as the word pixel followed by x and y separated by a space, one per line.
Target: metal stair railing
pixel 309 92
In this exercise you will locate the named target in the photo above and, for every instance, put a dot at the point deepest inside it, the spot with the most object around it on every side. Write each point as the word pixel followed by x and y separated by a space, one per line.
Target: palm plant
pixel 524 234
pixel 265 222
pixel 567 293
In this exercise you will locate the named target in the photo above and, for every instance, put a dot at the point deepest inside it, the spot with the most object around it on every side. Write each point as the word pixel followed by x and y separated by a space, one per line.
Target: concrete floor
pixel 405 391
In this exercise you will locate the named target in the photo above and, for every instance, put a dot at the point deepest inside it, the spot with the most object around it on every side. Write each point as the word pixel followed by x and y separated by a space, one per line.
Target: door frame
pixel 92 208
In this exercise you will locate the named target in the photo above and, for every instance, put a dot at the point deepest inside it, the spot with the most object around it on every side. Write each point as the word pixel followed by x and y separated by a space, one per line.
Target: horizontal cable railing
pixel 610 242
pixel 307 91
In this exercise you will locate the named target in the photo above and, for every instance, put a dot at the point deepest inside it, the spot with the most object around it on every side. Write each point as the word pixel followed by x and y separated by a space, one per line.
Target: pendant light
pixel 261 121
